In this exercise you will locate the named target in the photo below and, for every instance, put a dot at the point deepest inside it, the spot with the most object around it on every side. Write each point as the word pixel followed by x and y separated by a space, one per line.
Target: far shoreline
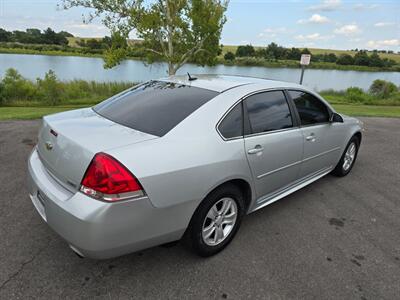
pixel 220 61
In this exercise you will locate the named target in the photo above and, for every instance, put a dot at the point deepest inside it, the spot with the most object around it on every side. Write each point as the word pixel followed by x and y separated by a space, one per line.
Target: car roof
pixel 221 83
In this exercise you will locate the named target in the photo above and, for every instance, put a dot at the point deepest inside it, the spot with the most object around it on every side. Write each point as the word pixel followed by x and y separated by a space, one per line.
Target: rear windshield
pixel 154 107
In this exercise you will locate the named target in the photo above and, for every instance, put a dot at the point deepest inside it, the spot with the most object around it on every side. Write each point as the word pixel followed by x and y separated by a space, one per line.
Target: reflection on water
pixel 89 68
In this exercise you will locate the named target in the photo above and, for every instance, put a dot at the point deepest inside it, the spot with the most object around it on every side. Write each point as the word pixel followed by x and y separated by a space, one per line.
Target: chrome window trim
pixel 271 132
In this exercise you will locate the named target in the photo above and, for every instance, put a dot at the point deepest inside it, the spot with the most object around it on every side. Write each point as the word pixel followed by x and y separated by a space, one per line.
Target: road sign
pixel 305 59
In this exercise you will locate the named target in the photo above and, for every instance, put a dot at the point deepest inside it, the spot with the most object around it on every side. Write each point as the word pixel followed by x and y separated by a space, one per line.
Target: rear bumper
pixel 97 229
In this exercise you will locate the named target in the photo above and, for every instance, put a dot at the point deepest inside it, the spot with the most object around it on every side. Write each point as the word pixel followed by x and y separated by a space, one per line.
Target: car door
pixel 273 142
pixel 321 138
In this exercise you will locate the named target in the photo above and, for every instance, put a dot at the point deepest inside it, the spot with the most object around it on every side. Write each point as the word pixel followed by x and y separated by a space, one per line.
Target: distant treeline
pixel 275 52
pixel 35 36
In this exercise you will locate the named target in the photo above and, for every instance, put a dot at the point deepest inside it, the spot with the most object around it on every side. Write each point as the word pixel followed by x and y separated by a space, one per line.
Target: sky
pixel 331 24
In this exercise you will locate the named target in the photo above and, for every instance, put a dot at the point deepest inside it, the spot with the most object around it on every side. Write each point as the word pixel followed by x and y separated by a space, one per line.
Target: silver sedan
pixel 182 158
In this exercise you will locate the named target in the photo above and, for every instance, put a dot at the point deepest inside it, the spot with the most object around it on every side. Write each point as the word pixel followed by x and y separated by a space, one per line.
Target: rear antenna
pixel 191 78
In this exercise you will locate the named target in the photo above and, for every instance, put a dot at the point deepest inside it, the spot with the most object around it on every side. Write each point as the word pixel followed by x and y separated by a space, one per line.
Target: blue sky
pixel 331 24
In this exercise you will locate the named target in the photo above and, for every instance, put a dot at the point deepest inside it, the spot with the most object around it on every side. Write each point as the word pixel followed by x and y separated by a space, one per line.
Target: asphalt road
pixel 338 238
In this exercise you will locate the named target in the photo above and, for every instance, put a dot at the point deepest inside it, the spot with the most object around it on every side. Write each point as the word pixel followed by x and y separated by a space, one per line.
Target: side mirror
pixel 336 118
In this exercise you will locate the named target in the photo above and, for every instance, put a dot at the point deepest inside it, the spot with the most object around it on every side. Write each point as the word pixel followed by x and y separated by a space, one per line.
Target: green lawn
pixel 26 113
pixel 368 110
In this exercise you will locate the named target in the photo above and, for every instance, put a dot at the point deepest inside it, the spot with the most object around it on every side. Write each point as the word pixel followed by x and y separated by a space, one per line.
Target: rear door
pixel 322 138
pixel 273 141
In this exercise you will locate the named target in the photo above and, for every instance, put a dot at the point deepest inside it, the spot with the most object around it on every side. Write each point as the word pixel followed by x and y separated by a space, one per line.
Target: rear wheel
pixel 348 158
pixel 216 220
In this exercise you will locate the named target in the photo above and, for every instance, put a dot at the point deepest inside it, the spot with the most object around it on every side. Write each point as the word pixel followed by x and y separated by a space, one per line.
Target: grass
pixel 368 110
pixel 394 56
pixel 28 113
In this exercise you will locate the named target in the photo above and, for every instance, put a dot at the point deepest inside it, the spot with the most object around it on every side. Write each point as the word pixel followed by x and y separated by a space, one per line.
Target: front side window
pixel 311 109
pixel 232 125
pixel 154 107
pixel 268 111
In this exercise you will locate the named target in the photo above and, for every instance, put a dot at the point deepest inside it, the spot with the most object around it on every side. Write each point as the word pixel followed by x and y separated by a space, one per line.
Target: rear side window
pixel 311 109
pixel 154 107
pixel 268 111
pixel 232 125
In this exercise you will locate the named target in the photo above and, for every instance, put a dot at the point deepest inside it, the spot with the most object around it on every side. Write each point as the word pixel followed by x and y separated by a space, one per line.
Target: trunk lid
pixel 68 141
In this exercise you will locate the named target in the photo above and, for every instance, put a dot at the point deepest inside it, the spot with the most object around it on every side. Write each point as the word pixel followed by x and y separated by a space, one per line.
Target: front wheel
pixel 348 158
pixel 216 220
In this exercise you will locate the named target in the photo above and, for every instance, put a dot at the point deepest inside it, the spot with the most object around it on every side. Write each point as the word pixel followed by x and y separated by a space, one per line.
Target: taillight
pixel 107 179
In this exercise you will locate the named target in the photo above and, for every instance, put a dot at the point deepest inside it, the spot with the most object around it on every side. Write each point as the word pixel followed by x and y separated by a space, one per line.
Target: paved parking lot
pixel 338 238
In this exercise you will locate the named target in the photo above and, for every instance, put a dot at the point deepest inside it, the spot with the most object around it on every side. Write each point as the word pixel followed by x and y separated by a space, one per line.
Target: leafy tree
pixel 330 57
pixel 50 88
pixel 345 59
pixel 16 87
pixel 361 58
pixel 275 51
pixel 229 56
pixel 305 51
pixel 375 60
pixel 382 88
pixel 175 31
pixel 5 36
pixel 247 50
pixel 294 54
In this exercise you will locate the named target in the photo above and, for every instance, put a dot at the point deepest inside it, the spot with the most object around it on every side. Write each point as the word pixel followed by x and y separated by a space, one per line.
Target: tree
pixel 5 36
pixel 294 54
pixel 361 58
pixel 382 88
pixel 175 31
pixel 50 88
pixel 375 60
pixel 229 56
pixel 247 50
pixel 345 59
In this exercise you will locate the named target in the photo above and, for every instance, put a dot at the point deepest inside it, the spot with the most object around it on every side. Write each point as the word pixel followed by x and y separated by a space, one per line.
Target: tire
pixel 342 168
pixel 228 195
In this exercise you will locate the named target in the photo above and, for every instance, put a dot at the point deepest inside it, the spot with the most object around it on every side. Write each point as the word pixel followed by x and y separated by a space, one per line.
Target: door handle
pixel 256 149
pixel 311 137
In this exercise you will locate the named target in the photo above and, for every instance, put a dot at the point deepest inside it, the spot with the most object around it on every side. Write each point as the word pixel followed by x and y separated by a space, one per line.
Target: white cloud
pixel 326 5
pixel 315 18
pixel 384 24
pixel 272 32
pixel 312 37
pixel 383 43
pixel 348 30
pixel 362 6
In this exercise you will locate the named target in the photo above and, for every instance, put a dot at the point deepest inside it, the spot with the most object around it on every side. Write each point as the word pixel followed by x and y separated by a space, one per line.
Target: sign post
pixel 304 61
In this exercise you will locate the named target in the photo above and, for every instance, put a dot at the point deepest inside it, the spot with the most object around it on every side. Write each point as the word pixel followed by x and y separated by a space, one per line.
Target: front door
pixel 321 138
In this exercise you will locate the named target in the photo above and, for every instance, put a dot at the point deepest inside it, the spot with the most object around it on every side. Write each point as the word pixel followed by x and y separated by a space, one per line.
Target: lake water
pixel 89 68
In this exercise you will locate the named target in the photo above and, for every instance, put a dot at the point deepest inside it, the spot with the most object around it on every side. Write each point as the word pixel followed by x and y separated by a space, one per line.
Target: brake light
pixel 107 179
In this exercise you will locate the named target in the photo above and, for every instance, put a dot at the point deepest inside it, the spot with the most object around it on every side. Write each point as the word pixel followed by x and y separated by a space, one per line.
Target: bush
pixel 15 87
pixel 345 59
pixel 382 88
pixel 229 56
pixel 245 51
pixel 355 94
pixel 50 88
